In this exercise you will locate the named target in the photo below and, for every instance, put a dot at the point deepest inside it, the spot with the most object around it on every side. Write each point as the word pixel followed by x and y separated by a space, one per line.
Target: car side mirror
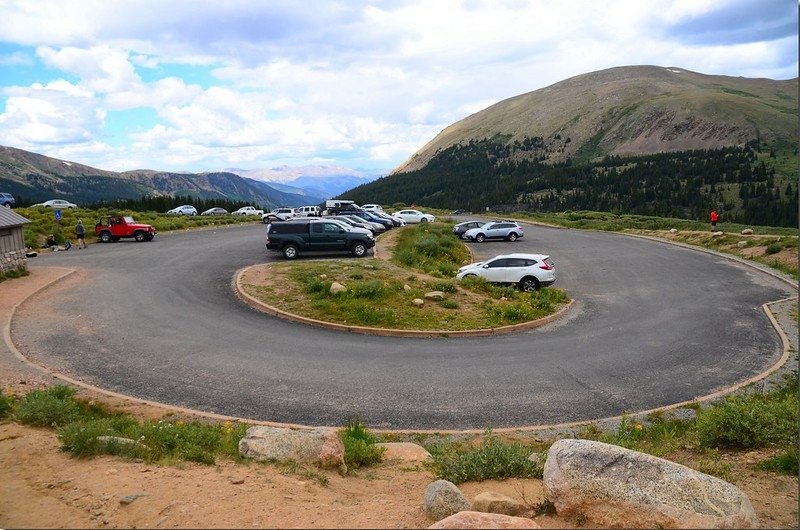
pixel 485 267
pixel 341 230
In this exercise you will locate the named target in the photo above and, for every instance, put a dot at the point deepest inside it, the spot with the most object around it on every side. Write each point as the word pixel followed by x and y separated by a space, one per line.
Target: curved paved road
pixel 654 325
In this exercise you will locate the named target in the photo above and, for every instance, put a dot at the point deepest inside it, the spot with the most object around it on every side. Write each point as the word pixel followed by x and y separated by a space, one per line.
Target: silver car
pixel 510 230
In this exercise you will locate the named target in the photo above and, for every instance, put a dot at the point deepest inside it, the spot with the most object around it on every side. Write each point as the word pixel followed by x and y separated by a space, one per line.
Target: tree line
pixel 739 182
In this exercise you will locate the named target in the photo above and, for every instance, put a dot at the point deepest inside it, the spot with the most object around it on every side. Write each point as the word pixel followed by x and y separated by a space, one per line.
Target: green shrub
pixel 50 407
pixel 785 462
pixel 80 437
pixel 773 248
pixel 492 460
pixel 6 404
pixel 359 446
pixel 749 421
pixel 449 304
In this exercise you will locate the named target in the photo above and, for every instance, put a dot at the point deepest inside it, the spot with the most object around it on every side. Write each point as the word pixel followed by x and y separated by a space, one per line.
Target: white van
pixel 372 207
pixel 307 211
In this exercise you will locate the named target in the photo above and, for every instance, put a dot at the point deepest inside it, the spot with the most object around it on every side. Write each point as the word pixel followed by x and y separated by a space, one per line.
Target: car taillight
pixel 546 265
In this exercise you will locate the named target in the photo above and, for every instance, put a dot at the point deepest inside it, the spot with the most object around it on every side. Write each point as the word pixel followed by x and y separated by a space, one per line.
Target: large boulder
pixel 443 499
pixel 320 445
pixel 614 486
pixel 468 519
pixel 492 502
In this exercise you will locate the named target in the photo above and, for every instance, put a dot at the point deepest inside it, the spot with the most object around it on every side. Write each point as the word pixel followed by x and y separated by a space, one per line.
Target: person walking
pixel 80 234
pixel 714 219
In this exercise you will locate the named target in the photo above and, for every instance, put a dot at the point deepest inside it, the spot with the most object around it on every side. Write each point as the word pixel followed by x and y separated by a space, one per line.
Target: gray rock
pixel 618 487
pixel 418 302
pixel 404 451
pixel 121 442
pixel 337 288
pixel 673 230
pixel 467 519
pixel 435 295
pixel 492 502
pixel 406 287
pixel 443 499
pixel 127 499
pixel 747 231
pixel 319 445
pixel 741 244
pixel 717 233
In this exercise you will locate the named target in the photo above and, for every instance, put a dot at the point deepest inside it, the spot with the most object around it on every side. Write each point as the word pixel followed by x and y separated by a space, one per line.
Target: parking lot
pixel 653 325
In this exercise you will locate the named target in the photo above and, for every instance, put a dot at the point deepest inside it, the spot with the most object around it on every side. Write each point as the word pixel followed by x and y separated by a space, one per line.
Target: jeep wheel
pixel 423 220
pixel 105 237
pixel 290 251
pixel 512 237
pixel 480 238
pixel 359 250
pixel 138 236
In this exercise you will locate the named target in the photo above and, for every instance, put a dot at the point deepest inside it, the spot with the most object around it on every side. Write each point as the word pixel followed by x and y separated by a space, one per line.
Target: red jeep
pixel 114 227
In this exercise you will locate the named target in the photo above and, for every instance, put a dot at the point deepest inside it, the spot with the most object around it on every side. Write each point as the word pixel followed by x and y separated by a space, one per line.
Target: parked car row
pixel 480 231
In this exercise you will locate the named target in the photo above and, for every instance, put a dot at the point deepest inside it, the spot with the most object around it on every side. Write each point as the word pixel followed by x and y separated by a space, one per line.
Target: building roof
pixel 9 218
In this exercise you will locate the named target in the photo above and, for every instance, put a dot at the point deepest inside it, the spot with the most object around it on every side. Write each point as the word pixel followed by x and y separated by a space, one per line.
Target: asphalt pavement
pixel 653 325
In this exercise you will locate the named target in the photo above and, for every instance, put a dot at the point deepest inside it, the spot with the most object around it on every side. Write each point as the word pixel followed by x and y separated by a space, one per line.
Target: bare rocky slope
pixel 632 110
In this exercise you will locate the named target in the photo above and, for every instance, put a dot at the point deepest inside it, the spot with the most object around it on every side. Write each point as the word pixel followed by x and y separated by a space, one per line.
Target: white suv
pixel 529 271
pixel 307 211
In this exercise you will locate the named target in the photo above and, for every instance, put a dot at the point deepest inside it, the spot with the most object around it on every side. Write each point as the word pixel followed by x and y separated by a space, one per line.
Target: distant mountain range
pixel 37 178
pixel 319 181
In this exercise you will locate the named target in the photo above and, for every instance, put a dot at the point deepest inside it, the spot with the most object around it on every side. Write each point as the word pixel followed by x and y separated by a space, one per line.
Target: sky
pixel 199 85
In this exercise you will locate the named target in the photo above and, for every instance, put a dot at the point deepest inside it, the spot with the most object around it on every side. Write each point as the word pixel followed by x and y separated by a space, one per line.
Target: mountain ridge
pixel 629 111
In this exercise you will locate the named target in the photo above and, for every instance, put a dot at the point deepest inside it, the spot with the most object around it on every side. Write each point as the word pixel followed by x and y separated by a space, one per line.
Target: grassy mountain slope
pixel 631 110
pixel 37 178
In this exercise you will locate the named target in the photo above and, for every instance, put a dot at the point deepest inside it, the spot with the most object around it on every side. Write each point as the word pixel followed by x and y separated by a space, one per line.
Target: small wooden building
pixel 12 241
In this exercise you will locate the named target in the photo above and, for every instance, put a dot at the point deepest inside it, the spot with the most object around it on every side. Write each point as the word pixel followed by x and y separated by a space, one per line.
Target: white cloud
pixel 358 83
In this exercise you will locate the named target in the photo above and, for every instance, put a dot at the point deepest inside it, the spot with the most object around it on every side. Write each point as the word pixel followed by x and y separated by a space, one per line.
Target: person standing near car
pixel 80 234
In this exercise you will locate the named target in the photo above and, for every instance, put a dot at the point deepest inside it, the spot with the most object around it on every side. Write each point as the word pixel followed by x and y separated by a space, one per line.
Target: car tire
pixel 529 284
pixel 359 250
pixel 480 238
pixel 423 220
pixel 512 237
pixel 265 220
pixel 290 251
pixel 139 236
pixel 105 237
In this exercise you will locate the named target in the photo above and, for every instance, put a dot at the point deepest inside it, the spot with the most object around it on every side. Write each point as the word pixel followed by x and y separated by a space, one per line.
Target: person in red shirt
pixel 714 218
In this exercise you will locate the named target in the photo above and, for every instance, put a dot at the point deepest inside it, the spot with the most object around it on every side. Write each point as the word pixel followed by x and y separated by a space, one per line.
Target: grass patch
pixel 784 463
pixel 430 248
pixel 19 272
pixel 6 405
pixel 493 459
pixel 359 446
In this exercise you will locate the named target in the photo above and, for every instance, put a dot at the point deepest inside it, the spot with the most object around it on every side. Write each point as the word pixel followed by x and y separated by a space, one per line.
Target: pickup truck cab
pixel 115 227
pixel 295 236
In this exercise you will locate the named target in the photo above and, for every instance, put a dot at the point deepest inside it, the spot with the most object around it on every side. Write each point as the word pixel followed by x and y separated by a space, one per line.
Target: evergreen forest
pixel 753 184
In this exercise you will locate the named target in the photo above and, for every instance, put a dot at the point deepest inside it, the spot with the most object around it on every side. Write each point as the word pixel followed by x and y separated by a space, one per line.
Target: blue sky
pixel 194 85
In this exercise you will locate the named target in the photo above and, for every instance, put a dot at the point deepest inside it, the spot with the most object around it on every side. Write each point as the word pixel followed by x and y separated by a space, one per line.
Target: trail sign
pixel 58 215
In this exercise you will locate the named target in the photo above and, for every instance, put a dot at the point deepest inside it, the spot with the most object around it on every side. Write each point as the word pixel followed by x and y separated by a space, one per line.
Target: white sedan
pixel 528 271
pixel 414 216
pixel 57 203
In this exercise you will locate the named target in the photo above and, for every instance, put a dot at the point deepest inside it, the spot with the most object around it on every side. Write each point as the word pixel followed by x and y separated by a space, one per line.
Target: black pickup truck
pixel 292 237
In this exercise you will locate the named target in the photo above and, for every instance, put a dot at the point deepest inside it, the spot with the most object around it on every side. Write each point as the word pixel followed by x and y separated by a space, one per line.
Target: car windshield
pixel 129 219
